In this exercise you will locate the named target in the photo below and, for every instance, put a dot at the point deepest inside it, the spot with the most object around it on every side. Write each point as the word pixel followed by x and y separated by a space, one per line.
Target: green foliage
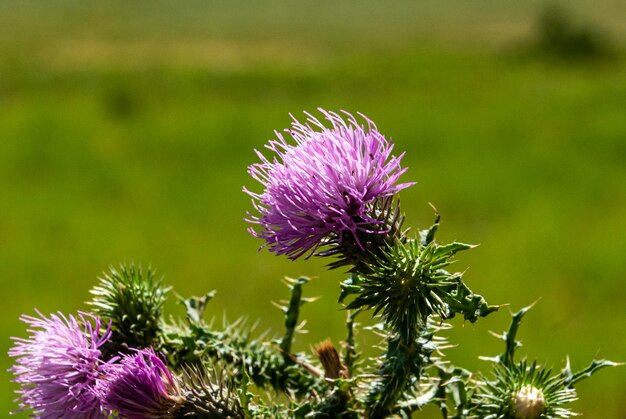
pixel 233 347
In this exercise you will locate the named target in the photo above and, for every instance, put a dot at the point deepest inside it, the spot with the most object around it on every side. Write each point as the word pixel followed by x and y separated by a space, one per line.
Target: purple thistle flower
pixel 323 185
pixel 58 366
pixel 141 386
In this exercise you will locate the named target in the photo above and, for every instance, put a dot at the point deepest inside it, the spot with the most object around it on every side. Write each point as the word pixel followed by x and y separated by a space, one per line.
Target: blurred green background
pixel 126 129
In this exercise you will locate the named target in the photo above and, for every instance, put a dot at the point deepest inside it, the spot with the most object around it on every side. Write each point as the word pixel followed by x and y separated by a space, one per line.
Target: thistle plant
pixel 329 190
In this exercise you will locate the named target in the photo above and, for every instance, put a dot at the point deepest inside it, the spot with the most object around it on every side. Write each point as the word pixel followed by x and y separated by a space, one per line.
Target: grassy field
pixel 126 129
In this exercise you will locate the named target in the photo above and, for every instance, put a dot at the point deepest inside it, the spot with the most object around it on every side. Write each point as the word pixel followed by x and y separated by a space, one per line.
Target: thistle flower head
pixel 58 366
pixel 141 386
pixel 324 185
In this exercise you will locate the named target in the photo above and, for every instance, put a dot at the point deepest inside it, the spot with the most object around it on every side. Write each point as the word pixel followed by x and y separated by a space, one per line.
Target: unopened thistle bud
pixel 132 299
pixel 528 403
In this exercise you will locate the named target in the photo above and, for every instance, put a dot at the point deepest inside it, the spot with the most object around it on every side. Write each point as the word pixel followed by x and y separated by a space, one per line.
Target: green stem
pixel 292 312
pixel 402 361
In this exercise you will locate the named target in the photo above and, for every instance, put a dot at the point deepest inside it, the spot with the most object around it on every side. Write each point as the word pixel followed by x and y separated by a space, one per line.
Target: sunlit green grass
pixel 106 163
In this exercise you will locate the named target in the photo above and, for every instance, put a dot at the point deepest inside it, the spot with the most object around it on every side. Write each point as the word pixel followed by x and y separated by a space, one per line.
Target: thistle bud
pixel 528 403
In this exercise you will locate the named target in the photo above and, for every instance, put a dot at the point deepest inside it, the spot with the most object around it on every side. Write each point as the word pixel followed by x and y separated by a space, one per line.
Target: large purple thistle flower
pixel 141 386
pixel 58 366
pixel 325 184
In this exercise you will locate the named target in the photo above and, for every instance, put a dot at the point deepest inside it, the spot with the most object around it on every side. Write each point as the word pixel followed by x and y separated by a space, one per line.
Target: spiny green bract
pixel 208 396
pixel 132 299
pixel 357 250
pixel 408 283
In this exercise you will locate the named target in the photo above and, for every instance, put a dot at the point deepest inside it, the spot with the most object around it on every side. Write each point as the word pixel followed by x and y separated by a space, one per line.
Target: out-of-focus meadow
pixel 126 129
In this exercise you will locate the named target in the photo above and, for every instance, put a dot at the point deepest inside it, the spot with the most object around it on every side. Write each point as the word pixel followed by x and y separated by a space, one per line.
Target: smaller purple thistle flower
pixel 58 366
pixel 326 184
pixel 141 386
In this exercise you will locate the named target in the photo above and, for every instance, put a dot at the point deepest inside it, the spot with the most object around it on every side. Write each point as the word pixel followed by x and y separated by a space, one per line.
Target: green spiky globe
pixel 522 391
pixel 132 299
